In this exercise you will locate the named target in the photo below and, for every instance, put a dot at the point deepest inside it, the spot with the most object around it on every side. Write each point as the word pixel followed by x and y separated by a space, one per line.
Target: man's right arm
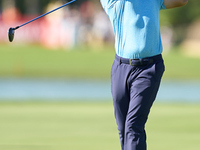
pixel 174 3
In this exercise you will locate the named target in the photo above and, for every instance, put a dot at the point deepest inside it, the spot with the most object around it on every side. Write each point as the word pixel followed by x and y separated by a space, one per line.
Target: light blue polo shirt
pixel 136 26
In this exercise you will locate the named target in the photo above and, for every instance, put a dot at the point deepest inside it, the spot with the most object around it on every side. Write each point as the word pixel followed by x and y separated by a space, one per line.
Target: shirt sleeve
pixel 103 3
pixel 162 6
pixel 108 4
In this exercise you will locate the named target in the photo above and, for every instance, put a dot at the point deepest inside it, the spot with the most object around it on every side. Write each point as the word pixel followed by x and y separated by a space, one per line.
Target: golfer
pixel 138 66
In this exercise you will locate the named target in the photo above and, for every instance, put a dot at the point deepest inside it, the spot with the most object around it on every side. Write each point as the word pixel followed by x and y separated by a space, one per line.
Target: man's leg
pixel 121 96
pixel 143 92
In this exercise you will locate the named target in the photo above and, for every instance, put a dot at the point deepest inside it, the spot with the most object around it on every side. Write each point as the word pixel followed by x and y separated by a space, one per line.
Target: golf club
pixel 11 31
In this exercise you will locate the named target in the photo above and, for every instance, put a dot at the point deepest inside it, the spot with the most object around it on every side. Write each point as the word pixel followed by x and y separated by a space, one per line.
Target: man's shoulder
pixel 111 3
pixel 108 3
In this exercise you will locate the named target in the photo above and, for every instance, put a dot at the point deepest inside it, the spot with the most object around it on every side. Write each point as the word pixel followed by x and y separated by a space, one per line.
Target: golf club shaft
pixel 44 14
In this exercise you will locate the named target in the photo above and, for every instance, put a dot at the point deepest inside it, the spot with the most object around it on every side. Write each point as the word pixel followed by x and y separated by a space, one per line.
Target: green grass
pixel 91 125
pixel 181 66
pixel 53 126
pixel 80 62
pixel 174 126
pixel 36 61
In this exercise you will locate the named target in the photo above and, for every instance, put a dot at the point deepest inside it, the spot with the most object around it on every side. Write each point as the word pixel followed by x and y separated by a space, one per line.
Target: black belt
pixel 139 62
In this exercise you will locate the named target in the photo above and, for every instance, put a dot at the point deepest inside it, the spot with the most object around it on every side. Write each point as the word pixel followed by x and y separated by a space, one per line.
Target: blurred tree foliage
pixel 180 18
pixel 22 6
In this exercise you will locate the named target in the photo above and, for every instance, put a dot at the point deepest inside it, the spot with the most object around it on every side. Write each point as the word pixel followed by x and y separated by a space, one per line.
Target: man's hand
pixel 174 3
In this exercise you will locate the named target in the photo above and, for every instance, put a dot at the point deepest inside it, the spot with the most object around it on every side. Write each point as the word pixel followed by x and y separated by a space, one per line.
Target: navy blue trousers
pixel 134 86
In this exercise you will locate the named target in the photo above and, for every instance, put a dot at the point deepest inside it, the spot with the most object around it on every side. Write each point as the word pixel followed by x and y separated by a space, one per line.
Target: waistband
pixel 139 62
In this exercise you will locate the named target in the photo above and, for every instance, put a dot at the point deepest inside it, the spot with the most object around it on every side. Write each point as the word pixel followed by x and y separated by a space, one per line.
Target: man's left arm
pixel 174 3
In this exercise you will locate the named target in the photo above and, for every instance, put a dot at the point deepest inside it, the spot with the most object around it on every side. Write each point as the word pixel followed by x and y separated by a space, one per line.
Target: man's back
pixel 135 82
pixel 136 26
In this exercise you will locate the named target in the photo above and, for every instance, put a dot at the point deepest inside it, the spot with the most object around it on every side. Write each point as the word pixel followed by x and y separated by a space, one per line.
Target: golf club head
pixel 11 33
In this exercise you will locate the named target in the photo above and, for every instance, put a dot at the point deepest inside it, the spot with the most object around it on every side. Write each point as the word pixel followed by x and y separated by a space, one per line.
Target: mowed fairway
pixel 81 62
pixel 91 126
pixel 57 126
pixel 88 125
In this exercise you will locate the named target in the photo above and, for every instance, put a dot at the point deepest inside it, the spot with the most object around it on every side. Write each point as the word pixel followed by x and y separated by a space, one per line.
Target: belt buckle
pixel 140 63
pixel 130 62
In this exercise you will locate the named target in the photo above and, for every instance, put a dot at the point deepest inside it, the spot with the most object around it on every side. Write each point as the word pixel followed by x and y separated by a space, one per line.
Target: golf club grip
pixel 46 14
